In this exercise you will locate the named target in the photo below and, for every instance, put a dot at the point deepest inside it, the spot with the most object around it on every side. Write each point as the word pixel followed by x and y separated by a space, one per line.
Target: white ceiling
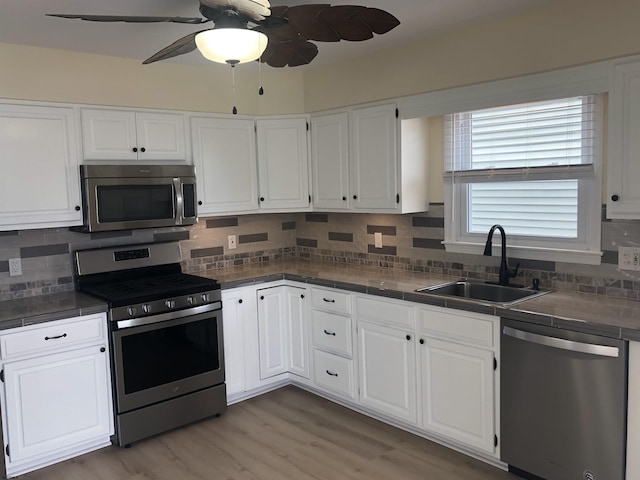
pixel 24 22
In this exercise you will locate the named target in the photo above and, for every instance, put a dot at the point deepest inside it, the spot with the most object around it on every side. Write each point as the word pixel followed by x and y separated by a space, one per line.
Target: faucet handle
pixel 515 271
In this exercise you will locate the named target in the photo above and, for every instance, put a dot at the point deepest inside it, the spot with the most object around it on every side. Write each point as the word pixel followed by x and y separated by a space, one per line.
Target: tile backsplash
pixel 409 242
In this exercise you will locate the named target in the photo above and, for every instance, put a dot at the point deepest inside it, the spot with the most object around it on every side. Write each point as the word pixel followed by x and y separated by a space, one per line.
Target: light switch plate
pixel 629 258
pixel 377 239
pixel 15 267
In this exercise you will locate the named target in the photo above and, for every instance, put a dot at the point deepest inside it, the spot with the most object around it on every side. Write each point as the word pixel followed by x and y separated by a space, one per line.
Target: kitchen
pixel 270 236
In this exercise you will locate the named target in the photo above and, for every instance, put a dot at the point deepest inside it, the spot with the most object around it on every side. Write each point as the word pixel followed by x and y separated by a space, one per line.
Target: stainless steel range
pixel 166 337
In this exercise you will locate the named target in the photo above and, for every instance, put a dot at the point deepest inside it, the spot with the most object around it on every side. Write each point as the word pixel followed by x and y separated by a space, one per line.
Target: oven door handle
pixel 162 317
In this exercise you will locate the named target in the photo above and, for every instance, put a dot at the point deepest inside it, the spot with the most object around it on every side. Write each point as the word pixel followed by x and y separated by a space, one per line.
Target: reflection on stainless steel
pixel 482 291
pixel 562 402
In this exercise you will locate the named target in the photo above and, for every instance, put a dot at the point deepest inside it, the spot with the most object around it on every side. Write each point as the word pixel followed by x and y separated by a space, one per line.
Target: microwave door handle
pixel 177 187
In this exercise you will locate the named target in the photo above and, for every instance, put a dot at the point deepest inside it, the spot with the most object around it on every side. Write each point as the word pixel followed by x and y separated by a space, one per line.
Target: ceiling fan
pixel 283 35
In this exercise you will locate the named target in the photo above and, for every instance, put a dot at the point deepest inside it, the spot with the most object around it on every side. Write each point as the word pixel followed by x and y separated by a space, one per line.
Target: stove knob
pixel 205 297
pixel 190 301
pixel 146 308
pixel 131 311
pixel 170 304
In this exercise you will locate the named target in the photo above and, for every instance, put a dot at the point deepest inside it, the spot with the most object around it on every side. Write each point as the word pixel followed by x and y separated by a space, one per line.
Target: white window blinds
pixel 520 165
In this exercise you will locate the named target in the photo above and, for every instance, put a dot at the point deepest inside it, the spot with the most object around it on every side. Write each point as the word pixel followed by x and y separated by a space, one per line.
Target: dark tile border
pixel 341 237
pixel 382 251
pixel 288 225
pixel 432 243
pixel 317 217
pixel 430 222
pixel 44 250
pixel 253 237
pixel 610 257
pixel 207 252
pixel 384 229
pixel 171 236
pixel 222 222
pixel 4 265
pixel 306 242
pixel 117 234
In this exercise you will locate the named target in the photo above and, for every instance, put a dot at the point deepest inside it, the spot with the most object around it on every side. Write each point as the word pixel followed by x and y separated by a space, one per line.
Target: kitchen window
pixel 533 168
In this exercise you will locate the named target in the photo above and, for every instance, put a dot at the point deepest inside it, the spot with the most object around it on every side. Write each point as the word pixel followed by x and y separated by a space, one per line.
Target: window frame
pixel 586 248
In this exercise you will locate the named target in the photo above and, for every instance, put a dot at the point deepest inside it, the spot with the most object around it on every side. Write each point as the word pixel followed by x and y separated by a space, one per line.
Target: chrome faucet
pixel 505 273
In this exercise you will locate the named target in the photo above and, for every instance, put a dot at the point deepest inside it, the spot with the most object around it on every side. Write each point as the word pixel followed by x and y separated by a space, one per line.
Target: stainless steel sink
pixel 481 291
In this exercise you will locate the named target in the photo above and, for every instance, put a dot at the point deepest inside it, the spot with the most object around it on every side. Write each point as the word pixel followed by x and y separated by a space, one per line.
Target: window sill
pixel 531 253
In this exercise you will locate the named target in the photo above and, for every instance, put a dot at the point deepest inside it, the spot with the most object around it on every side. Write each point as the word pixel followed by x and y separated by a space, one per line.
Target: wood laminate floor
pixel 285 434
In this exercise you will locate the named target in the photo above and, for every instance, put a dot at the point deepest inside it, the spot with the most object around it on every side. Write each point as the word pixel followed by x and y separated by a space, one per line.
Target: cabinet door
pixel 234 317
pixel 272 331
pixel 387 370
pixel 330 161
pixel 56 401
pixel 39 179
pixel 109 135
pixel 161 136
pixel 458 392
pixel 283 170
pixel 623 175
pixel 224 153
pixel 374 166
pixel 298 331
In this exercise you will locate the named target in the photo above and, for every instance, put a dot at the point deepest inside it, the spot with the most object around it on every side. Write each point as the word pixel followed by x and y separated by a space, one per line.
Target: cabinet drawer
pixel 385 312
pixel 334 373
pixel 52 336
pixel 331 332
pixel 473 329
pixel 331 300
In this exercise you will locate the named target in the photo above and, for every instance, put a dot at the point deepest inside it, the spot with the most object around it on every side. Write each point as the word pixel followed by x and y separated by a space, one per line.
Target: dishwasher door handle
pixel 553 342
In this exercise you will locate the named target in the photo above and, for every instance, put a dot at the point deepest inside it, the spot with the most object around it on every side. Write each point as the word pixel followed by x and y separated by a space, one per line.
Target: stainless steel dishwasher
pixel 562 403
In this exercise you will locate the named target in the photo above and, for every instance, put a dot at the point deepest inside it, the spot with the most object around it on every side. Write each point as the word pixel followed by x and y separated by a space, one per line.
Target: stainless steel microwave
pixel 122 197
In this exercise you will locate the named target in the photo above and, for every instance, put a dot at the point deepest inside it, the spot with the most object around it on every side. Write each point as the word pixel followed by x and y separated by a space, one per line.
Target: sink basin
pixel 480 291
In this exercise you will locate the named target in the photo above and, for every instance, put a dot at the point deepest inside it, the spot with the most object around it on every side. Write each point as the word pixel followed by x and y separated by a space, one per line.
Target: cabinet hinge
pixel 495 363
pixel 495 440
pixel 397 113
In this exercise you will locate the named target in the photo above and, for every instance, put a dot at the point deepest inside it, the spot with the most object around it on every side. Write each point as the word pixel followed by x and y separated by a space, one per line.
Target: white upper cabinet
pixel 367 160
pixel 39 180
pixel 330 161
pixel 136 136
pixel 623 175
pixel 283 171
pixel 374 152
pixel 224 153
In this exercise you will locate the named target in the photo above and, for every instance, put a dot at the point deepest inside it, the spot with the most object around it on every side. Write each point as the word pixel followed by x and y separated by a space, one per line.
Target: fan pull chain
pixel 233 64
pixel 260 90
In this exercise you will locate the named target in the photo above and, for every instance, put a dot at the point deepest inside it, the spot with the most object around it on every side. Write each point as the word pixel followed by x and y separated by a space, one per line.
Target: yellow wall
pixel 28 73
pixel 565 33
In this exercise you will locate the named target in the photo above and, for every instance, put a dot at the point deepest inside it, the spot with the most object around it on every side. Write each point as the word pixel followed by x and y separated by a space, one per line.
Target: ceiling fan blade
pixel 254 9
pixel 327 23
pixel 131 19
pixel 186 44
pixel 292 53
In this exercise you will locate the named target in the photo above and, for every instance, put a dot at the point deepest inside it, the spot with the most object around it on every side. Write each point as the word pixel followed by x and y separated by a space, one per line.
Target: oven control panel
pixel 164 305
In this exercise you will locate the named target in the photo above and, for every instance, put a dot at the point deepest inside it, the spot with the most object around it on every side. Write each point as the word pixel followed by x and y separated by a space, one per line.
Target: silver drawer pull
pixel 329 372
pixel 56 337
pixel 329 300
pixel 327 332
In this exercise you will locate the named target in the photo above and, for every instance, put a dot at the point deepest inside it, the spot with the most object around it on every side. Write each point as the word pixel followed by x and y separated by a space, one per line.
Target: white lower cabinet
pixel 458 376
pixel 56 402
pixel 387 370
pixel 265 338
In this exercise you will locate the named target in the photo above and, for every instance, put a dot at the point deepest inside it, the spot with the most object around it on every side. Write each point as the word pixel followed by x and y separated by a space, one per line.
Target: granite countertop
pixel 597 314
pixel 589 313
pixel 46 308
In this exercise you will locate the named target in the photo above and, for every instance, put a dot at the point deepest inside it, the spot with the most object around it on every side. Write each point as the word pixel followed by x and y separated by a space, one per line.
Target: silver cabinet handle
pixel 589 348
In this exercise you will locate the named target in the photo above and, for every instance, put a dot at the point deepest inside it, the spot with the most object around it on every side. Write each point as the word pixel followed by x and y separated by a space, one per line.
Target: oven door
pixel 166 359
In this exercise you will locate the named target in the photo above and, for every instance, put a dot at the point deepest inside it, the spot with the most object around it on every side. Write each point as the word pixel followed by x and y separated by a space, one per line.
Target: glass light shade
pixel 231 45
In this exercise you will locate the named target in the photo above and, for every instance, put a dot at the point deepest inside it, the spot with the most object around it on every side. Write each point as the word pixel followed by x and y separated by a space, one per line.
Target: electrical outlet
pixel 629 258
pixel 15 267
pixel 233 244
pixel 377 239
